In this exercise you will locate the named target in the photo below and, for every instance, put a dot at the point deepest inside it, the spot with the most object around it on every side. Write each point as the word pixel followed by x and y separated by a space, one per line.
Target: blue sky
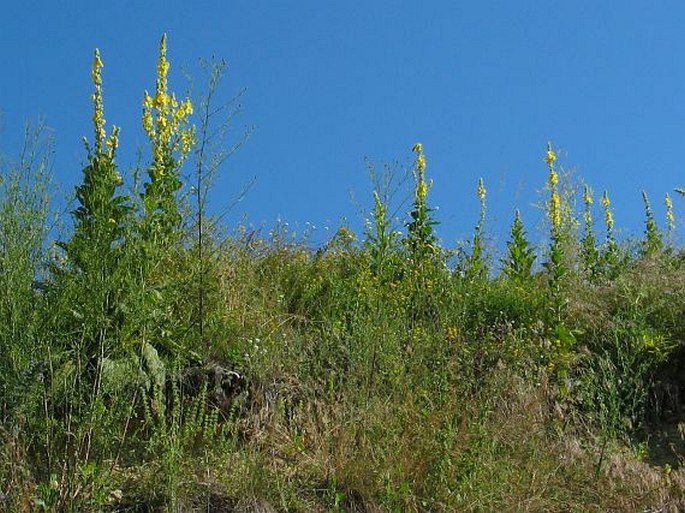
pixel 483 85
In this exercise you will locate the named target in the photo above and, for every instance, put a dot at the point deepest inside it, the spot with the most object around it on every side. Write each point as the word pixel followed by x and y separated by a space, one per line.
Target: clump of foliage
pixel 148 363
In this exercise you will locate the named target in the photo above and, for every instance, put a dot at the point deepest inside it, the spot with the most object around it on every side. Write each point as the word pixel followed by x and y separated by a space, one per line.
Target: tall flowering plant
pixel 172 136
pixel 421 240
pixel 100 212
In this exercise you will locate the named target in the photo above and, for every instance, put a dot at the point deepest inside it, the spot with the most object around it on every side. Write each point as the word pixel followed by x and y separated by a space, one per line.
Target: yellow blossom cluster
pixel 588 200
pixel 165 119
pixel 422 186
pixel 553 177
pixel 482 191
pixel 551 157
pixel 555 210
pixel 555 200
pixel 670 217
pixel 608 214
pixel 101 139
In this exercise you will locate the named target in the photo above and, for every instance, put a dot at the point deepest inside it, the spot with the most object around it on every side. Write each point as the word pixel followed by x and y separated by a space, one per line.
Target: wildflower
pixel 148 124
pixel 555 210
pixel 551 157
pixel 481 190
pixel 99 110
pixel 148 103
pixel 187 140
pixel 161 100
pixel 422 190
pixel 553 177
pixel 670 217
pixel 96 72
pixel 588 200
pixel 165 120
pixel 113 141
pixel 608 214
pixel 555 200
pixel 421 162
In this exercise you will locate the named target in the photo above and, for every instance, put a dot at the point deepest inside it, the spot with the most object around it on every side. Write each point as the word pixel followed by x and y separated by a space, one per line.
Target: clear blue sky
pixel 484 85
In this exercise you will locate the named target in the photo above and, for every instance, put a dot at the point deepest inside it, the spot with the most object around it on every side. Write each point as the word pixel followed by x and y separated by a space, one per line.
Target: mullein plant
pixel 89 283
pixel 477 267
pixel 166 122
pixel 557 259
pixel 421 241
pixel 563 340
pixel 99 216
pixel 653 242
pixel 520 258
pixel 590 253
pixel 422 246
pixel 86 312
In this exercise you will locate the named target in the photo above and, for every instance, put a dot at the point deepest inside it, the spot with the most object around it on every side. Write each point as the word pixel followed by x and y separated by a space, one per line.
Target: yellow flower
pixel 161 99
pixel 418 148
pixel 96 72
pixel 555 210
pixel 481 190
pixel 113 141
pixel 98 106
pixel 553 178
pixel 422 190
pixel 421 162
pixel 608 214
pixel 148 102
pixel 165 120
pixel 670 217
pixel 148 124
pixel 187 140
pixel 587 196
pixel 551 157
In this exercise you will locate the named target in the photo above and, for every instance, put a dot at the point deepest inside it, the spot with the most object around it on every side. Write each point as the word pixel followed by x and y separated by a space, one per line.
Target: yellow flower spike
pixel 98 104
pixel 481 190
pixel 670 217
pixel 96 72
pixel 608 214
pixel 420 159
pixel 165 120
pixel 588 200
pixel 162 70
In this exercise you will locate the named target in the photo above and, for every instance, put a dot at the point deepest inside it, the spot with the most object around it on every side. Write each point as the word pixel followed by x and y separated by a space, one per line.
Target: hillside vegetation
pixel 148 363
